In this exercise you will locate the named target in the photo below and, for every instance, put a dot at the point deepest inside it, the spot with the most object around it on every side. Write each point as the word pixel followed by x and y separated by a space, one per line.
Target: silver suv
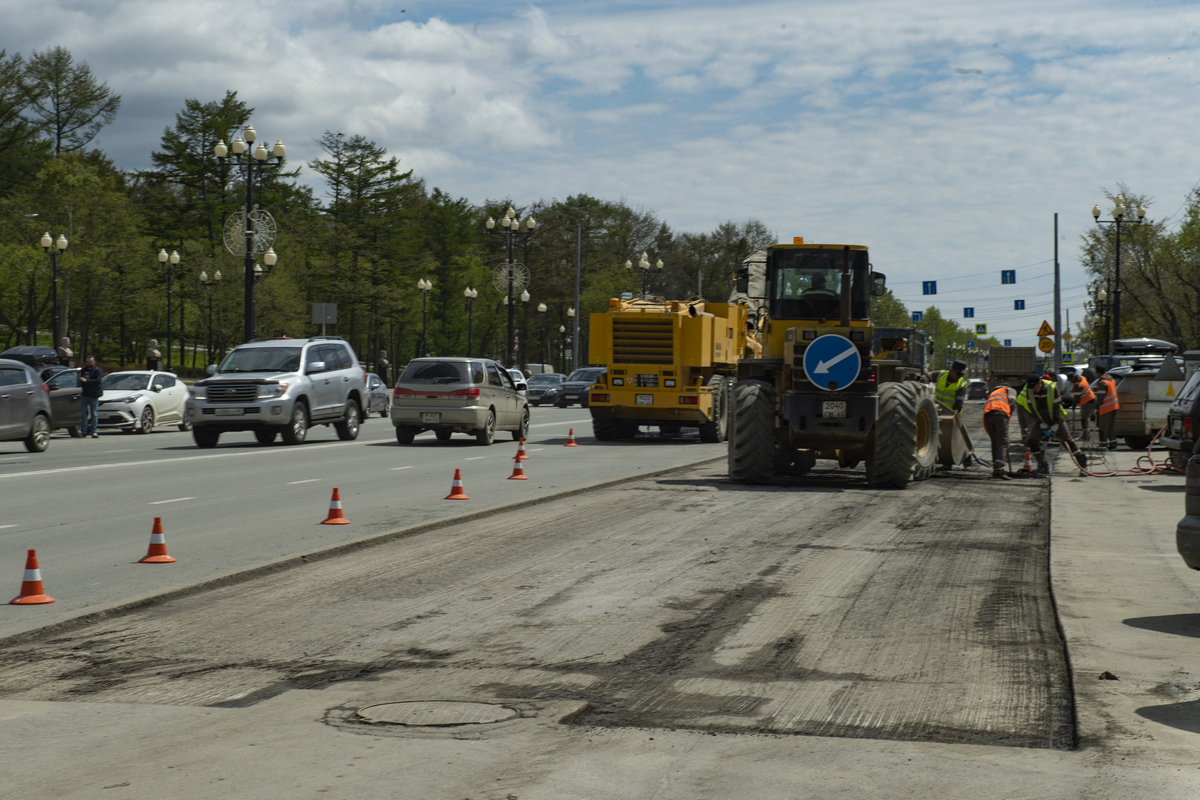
pixel 280 387
pixel 475 396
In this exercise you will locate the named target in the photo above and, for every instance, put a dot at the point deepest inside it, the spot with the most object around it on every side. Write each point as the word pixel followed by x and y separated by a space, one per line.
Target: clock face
pixel 235 231
pixel 520 277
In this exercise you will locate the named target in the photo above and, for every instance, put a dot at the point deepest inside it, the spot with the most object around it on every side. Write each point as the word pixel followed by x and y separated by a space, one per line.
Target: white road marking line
pixel 396 468
pixel 475 458
pixel 564 423
pixel 157 461
pixel 106 452
pixel 534 449
pixel 8 526
pixel 310 480
pixel 176 500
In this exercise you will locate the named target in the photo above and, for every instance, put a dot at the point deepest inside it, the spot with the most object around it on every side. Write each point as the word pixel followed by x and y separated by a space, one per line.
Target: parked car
pixel 280 387
pixel 1183 420
pixel 539 383
pixel 65 391
pixel 977 389
pixel 32 355
pixel 458 395
pixel 575 388
pixel 379 397
pixel 138 400
pixel 24 406
pixel 519 381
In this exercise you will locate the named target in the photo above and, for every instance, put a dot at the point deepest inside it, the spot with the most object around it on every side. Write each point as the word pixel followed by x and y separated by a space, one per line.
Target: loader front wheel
pixel 905 442
pixel 752 433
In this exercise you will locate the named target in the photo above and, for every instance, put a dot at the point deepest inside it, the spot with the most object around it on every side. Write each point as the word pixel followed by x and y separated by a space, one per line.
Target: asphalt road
pixel 87 505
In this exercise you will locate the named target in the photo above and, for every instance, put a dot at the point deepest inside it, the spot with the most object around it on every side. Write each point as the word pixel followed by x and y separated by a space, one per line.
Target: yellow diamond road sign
pixel 1045 330
pixel 1067 336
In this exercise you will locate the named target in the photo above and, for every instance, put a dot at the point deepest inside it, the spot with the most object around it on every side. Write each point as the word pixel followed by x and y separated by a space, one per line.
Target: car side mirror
pixel 156 388
pixel 315 366
pixel 52 386
pixel 743 280
pixel 211 369
pixel 878 284
pixel 522 386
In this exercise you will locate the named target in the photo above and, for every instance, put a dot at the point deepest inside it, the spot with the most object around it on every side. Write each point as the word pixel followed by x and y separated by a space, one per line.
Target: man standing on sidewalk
pixel 996 415
pixel 1107 416
pixel 89 383
pixel 1039 408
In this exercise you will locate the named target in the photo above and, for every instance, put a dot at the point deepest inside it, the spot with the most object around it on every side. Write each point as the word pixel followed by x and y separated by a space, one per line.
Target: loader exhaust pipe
pixel 846 287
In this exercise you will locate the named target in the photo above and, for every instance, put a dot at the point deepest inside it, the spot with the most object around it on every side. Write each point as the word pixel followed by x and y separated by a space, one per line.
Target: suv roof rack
pixel 331 336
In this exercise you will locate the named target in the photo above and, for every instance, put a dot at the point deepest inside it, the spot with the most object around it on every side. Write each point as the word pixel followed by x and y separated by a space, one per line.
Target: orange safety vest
pixel 998 401
pixel 1110 403
pixel 1088 395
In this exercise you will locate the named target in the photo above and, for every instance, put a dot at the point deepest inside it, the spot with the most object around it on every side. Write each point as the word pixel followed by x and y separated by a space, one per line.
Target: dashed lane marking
pixel 173 500
pixel 396 468
pixel 310 480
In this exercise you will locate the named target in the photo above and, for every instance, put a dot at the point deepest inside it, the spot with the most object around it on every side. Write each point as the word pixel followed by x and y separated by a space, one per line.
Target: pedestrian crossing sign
pixel 981 329
pixel 1045 330
pixel 1068 359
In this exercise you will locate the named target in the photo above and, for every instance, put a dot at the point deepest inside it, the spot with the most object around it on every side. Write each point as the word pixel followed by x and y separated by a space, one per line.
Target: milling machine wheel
pixel 905 442
pixel 752 433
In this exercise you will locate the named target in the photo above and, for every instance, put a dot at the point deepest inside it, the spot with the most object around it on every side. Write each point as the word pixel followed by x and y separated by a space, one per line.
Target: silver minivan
pixel 475 396
pixel 24 406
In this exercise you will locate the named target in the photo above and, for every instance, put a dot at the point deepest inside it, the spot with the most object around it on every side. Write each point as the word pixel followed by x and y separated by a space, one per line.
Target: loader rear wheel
pixel 604 429
pixel 905 443
pixel 717 430
pixel 752 433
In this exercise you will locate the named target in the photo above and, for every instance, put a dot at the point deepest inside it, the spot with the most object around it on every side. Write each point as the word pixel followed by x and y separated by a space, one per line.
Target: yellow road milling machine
pixel 818 390
pixel 671 364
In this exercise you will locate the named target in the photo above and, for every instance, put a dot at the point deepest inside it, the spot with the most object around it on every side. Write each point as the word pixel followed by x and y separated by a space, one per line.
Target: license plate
pixel 229 412
pixel 572 397
pixel 645 399
pixel 431 417
pixel 833 409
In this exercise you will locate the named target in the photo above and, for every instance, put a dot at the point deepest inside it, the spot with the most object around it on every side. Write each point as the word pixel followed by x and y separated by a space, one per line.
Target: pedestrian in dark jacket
pixel 89 383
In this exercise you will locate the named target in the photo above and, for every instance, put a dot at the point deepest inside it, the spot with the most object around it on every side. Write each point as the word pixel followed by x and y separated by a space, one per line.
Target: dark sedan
pixel 574 390
pixel 63 384
pixel 539 383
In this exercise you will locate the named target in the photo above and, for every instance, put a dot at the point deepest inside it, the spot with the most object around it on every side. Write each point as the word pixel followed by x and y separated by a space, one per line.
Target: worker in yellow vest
pixel 1040 409
pixel 1106 392
pixel 1085 401
pixel 997 413
pixel 950 387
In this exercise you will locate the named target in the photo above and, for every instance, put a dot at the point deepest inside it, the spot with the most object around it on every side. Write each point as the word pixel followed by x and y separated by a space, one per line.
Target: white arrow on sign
pixel 823 366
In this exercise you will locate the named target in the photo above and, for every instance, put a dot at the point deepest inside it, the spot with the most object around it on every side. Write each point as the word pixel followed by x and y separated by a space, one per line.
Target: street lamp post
pixel 53 248
pixel 562 345
pixel 424 286
pixel 512 229
pixel 1102 296
pixel 644 266
pixel 252 168
pixel 541 307
pixel 169 264
pixel 574 336
pixel 470 294
pixel 209 285
pixel 1118 214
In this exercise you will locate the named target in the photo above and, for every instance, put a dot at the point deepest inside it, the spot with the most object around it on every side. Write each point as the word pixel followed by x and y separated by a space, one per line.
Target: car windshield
pixel 1188 393
pixel 441 372
pixel 124 382
pixel 543 378
pixel 262 359
pixel 588 375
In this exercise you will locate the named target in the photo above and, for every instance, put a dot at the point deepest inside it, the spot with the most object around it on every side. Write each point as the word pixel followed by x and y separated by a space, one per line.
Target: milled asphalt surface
pixel 1128 607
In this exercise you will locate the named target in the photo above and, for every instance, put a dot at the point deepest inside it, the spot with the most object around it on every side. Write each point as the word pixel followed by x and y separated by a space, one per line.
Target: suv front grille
pixel 233 393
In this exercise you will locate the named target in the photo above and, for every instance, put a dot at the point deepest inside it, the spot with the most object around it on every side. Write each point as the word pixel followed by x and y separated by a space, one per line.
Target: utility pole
pixel 1057 306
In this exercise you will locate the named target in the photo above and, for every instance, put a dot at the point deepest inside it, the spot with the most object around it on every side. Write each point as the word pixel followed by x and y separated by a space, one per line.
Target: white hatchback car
pixel 138 400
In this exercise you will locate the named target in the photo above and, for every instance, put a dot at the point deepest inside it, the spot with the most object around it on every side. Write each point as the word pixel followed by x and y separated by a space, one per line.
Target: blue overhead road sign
pixel 918 316
pixel 832 362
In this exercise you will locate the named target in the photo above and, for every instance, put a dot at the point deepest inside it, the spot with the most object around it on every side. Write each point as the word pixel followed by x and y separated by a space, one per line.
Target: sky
pixel 943 135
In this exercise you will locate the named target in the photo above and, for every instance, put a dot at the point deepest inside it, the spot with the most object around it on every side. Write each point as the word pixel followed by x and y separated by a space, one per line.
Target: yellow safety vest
pixel 1029 402
pixel 946 391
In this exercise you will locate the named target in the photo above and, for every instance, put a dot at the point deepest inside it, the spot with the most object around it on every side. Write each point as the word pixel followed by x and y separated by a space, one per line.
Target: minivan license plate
pixel 833 409
pixel 433 417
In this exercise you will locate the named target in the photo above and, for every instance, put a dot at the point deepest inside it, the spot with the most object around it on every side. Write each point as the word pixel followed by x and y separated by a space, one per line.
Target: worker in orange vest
pixel 1107 413
pixel 997 413
pixel 1085 400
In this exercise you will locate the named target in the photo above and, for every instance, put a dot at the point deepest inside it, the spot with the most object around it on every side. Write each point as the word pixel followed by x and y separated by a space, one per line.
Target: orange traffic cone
pixel 157 554
pixel 456 488
pixel 1028 467
pixel 32 593
pixel 571 439
pixel 518 471
pixel 335 511
pixel 521 451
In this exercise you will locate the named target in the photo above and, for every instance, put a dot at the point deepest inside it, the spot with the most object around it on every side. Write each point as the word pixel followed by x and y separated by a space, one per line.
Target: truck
pixel 1012 365
pixel 818 390
pixel 670 364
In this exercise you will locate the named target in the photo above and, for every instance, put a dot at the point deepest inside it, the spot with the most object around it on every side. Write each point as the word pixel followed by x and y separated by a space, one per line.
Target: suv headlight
pixel 268 391
pixel 198 392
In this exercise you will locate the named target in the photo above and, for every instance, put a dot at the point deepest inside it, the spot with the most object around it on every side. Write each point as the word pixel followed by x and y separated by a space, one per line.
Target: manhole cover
pixel 433 713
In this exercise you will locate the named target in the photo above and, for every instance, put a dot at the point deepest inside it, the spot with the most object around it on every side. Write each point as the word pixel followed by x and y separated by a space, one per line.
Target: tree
pixel 65 99
pixel 20 150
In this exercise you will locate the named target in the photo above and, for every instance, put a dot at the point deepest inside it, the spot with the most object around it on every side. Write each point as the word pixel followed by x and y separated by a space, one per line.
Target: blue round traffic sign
pixel 832 362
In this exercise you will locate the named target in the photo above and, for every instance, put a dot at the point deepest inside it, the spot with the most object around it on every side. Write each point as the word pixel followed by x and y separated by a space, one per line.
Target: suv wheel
pixel 487 434
pixel 185 426
pixel 205 437
pixel 347 429
pixel 39 435
pixel 147 422
pixel 522 431
pixel 296 431
pixel 265 435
